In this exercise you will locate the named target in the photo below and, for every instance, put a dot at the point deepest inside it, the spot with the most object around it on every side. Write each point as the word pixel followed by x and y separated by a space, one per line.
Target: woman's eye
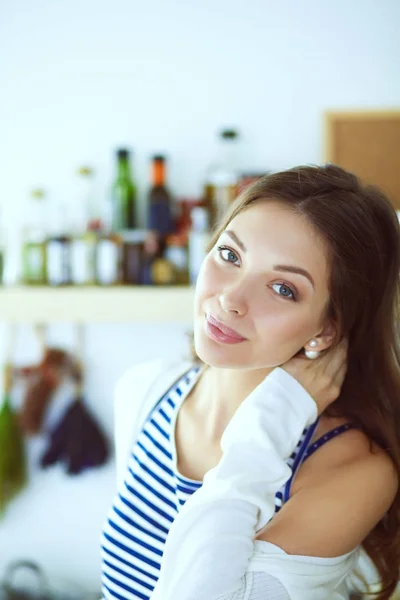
pixel 227 254
pixel 285 291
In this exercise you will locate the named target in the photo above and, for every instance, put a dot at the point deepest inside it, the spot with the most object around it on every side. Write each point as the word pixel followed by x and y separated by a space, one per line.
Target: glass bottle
pixel 58 249
pixel 153 249
pixel 34 240
pixel 159 199
pixel 163 271
pixel 109 256
pixel 176 252
pixel 133 256
pixel 222 177
pixel 83 237
pixel 123 209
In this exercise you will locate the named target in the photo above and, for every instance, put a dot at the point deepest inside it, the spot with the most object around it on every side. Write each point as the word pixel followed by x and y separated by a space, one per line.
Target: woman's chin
pixel 219 355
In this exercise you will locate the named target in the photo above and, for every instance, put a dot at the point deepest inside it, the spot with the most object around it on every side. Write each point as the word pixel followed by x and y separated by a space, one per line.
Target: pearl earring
pixel 312 354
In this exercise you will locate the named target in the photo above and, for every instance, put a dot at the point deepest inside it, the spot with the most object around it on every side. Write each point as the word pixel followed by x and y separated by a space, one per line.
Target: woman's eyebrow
pixel 298 270
pixel 285 268
pixel 235 238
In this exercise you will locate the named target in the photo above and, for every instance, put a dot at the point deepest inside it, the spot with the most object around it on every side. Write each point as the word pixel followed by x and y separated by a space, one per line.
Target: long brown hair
pixel 361 230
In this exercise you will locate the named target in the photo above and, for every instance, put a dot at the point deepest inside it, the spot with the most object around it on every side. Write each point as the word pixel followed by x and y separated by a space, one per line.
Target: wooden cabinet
pixel 367 143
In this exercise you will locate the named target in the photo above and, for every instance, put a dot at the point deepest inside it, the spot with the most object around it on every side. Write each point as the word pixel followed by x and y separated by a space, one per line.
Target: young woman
pixel 266 469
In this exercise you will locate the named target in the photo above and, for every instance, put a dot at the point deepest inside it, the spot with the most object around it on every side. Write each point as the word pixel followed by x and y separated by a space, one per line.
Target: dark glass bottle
pixel 133 256
pixel 160 217
pixel 123 213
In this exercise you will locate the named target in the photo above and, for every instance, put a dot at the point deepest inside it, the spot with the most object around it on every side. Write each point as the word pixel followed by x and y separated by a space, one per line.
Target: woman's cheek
pixel 286 329
pixel 274 317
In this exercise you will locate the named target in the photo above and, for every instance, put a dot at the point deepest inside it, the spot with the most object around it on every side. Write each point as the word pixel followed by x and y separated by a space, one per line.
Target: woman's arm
pixel 211 540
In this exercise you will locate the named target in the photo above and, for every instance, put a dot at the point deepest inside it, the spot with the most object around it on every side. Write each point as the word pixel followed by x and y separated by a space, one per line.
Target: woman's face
pixel 266 279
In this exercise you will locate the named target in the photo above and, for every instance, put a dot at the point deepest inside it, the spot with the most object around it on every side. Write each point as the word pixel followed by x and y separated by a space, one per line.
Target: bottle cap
pixel 95 225
pixel 133 236
pixel 85 171
pixel 159 158
pixel 123 153
pixel 229 134
pixel 37 193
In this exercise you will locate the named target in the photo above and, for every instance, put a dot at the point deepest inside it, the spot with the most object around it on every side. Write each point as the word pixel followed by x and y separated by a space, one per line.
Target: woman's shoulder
pixel 352 444
pixel 339 495
pixel 352 447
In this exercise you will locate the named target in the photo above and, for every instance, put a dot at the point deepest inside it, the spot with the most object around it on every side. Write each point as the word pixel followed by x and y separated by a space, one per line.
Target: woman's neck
pixel 219 393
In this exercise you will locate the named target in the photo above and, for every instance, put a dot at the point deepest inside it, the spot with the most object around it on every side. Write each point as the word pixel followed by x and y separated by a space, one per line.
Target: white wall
pixel 79 78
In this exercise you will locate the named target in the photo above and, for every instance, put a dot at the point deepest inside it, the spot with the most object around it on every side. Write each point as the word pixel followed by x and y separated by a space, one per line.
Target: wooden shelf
pixel 96 304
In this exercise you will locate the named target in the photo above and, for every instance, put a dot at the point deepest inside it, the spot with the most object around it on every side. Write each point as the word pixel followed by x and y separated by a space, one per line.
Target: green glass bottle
pixel 13 467
pixel 123 213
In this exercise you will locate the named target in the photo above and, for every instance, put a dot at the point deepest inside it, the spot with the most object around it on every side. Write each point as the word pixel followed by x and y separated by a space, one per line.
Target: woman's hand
pixel 323 377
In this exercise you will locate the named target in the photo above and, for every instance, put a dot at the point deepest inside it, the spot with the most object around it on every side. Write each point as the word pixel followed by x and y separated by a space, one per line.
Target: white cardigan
pixel 217 522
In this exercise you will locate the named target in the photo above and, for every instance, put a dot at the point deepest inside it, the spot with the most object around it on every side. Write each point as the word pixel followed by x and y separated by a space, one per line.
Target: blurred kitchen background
pixel 125 128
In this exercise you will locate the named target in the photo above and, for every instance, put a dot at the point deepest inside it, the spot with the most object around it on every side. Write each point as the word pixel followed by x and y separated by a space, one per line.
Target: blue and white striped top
pixel 147 503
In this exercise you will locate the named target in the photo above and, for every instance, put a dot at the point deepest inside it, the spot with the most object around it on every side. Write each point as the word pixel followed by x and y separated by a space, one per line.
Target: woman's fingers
pixel 323 377
pixel 333 358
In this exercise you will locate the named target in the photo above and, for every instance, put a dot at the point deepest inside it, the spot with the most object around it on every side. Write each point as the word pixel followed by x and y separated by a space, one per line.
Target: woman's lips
pixel 222 333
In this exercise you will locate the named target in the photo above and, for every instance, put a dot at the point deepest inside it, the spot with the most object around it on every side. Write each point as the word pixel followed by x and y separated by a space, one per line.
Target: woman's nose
pixel 233 301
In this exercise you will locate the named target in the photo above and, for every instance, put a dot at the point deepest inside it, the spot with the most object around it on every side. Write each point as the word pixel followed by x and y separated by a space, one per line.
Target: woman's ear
pixel 324 339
